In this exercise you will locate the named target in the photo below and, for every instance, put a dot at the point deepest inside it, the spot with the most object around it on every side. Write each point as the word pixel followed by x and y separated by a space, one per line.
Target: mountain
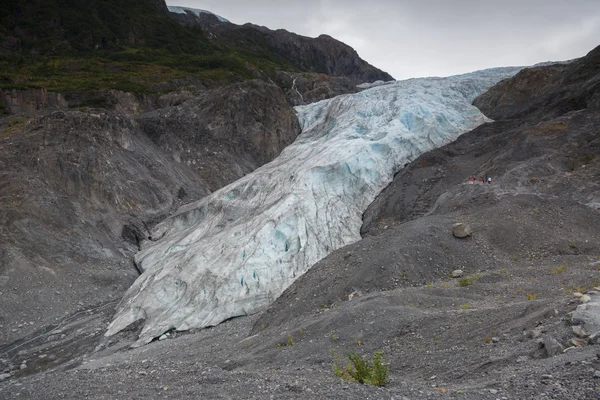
pixel 323 54
pixel 234 252
pixel 138 46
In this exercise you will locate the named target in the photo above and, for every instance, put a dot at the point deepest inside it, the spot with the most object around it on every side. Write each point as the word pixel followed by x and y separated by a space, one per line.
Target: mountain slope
pixel 137 46
pixel 323 54
pixel 535 241
pixel 236 250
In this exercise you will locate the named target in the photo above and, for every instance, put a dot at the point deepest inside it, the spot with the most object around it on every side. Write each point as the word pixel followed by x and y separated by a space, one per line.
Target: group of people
pixel 485 179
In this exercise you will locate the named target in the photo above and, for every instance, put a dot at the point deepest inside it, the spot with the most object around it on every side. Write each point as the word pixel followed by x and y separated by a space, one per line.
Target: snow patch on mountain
pixel 234 252
pixel 194 11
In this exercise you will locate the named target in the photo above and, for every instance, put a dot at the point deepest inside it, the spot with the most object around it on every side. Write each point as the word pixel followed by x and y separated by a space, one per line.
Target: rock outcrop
pixel 31 100
pixel 547 91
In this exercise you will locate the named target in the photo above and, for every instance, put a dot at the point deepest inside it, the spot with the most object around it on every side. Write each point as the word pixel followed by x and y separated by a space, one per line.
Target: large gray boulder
pixel 461 230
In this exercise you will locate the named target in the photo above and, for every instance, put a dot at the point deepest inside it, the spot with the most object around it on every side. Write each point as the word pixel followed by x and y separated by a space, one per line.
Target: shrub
pixel 467 281
pixel 559 270
pixel 363 371
pixel 532 296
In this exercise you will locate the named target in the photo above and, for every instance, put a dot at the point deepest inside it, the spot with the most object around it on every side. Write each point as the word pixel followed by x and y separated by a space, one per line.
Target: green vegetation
pixel 560 269
pixel 465 307
pixel 373 372
pixel 467 281
pixel 489 339
pixel 532 296
pixel 73 46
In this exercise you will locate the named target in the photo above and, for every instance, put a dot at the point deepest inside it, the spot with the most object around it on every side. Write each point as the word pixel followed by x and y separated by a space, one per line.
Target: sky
pixel 431 37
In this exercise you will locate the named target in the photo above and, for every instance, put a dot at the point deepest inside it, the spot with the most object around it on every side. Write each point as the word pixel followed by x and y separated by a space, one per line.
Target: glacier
pixel 235 251
pixel 194 11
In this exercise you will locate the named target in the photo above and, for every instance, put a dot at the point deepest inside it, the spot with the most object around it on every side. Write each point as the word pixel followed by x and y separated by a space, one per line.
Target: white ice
pixel 235 251
pixel 196 12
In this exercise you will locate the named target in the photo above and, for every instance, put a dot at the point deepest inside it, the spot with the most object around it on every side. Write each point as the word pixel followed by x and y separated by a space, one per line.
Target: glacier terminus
pixel 235 251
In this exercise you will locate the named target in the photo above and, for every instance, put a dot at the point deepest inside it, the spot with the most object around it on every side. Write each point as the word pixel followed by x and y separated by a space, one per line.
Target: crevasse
pixel 235 251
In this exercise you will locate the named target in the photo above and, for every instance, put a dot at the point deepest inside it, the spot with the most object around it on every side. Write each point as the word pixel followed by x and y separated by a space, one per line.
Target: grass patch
pixel 367 372
pixel 465 307
pixel 559 270
pixel 532 296
pixel 13 127
pixel 579 289
pixel 467 281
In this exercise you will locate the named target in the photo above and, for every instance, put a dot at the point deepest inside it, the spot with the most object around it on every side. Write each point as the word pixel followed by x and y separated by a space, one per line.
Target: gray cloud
pixel 432 37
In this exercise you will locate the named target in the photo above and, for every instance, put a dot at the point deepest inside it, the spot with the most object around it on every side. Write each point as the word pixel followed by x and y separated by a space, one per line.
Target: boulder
pixel 457 273
pixel 461 230
pixel 550 347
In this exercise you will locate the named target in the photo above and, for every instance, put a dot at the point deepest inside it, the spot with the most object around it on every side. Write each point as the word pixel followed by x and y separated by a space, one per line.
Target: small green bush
pixel 363 371
pixel 467 281
pixel 559 270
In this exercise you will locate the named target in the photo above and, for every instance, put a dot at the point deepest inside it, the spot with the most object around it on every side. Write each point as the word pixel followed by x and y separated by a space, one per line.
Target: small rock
pixel 4 377
pixel 354 295
pixel 547 376
pixel 579 331
pixel 493 391
pixel 551 346
pixel 536 333
pixel 143 373
pixel 23 366
pixel 575 342
pixel 522 359
pixel 461 231
pixel 457 273
pixel 577 295
pixel 594 339
pixel 495 339
pixel 163 337
pixel 585 298
pixel 597 374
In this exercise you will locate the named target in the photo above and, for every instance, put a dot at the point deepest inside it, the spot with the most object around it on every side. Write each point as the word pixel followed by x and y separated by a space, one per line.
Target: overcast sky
pixel 432 37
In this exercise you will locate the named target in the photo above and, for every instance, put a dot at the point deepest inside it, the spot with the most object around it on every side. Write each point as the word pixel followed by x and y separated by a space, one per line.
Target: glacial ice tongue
pixel 235 251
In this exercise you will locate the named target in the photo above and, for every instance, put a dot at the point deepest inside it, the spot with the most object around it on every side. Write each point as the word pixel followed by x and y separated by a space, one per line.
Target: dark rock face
pixel 225 133
pixel 31 100
pixel 545 92
pixel 79 191
pixel 306 88
pixel 323 54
